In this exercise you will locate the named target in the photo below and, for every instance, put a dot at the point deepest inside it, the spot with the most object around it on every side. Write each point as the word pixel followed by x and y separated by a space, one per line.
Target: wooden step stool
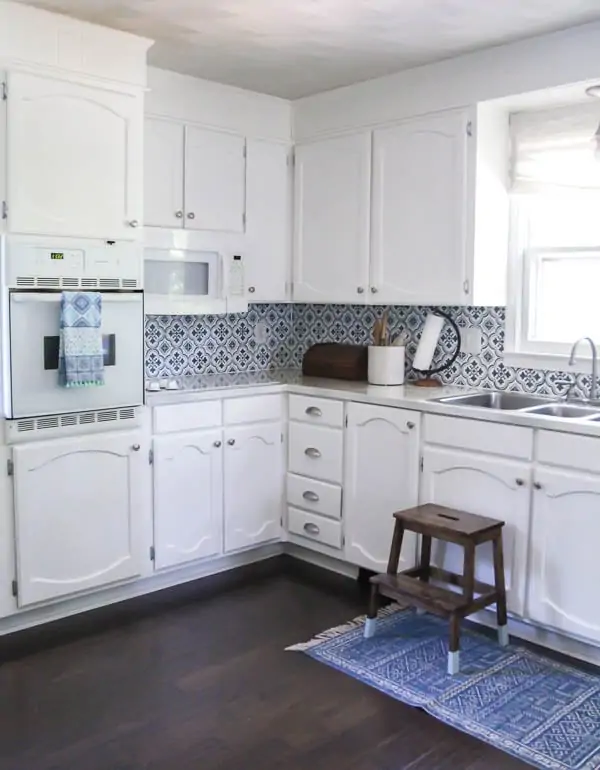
pixel 412 586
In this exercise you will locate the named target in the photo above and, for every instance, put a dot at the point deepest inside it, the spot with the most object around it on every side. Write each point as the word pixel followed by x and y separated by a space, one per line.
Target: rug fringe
pixel 351 625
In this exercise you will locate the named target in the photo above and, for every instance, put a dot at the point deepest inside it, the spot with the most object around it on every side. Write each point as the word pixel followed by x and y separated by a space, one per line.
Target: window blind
pixel 554 150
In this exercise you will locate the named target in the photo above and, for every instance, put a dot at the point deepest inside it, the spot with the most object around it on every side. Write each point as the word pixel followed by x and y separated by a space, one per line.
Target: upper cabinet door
pixel 381 476
pixel 78 509
pixel 163 173
pixel 215 180
pixel 268 219
pixel 419 227
pixel 74 159
pixel 331 243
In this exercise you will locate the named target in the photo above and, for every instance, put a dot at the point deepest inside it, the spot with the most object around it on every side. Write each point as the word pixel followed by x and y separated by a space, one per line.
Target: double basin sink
pixel 521 402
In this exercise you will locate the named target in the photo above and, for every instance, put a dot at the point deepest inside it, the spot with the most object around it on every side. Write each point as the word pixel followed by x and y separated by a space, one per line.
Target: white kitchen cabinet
pixel 253 479
pixel 78 504
pixel 268 221
pixel 564 567
pixel 419 210
pixel 215 180
pixel 489 486
pixel 332 215
pixel 188 497
pixel 163 173
pixel 74 159
pixel 381 476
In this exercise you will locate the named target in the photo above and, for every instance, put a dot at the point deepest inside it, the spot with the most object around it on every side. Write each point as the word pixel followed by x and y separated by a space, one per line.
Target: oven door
pixel 33 364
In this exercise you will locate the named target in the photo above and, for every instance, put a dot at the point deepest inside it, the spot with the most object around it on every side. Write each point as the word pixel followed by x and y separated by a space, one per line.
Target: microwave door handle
pixel 55 297
pixel 221 289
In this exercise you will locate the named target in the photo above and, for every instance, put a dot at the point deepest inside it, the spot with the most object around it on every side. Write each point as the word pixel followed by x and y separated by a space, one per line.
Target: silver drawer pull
pixel 313 497
pixel 312 529
pixel 312 452
pixel 314 411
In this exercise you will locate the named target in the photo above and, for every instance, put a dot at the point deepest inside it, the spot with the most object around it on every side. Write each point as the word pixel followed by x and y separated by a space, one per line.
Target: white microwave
pixel 188 282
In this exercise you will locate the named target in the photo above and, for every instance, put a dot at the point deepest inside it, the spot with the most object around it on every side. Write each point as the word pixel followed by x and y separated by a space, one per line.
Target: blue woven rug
pixel 544 712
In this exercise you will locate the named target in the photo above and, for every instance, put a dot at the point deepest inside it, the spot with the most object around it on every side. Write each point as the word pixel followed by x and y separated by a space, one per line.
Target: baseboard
pixel 321 560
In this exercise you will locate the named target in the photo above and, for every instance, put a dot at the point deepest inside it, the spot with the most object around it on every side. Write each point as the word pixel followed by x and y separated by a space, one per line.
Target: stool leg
pixel 371 621
pixel 394 560
pixel 500 590
pixel 424 564
pixel 453 650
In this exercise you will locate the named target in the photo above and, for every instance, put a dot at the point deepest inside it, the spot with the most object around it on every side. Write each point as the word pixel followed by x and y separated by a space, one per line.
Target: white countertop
pixel 404 396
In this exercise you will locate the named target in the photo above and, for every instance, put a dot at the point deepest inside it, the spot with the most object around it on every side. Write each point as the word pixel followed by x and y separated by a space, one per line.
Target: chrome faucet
pixel 594 382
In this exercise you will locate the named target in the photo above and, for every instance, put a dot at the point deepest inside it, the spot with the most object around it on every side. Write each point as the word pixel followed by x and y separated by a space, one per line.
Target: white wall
pixel 217 106
pixel 529 65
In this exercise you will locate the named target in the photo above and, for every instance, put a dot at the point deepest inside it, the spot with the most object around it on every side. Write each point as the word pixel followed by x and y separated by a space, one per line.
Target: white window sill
pixel 583 364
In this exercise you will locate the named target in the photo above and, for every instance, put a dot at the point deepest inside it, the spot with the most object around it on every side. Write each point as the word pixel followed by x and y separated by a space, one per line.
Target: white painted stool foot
pixel 420 611
pixel 503 636
pixel 370 627
pixel 454 662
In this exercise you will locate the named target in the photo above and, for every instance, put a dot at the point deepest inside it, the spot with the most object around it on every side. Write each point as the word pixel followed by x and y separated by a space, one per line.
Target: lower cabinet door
pixel 490 486
pixel 381 476
pixel 564 570
pixel 188 497
pixel 77 512
pixel 253 485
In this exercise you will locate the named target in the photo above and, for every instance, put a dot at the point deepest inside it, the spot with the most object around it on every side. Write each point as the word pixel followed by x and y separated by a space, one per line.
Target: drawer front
pixel 568 450
pixel 479 436
pixel 316 452
pixel 315 528
pixel 318 411
pixel 180 417
pixel 316 496
pixel 237 411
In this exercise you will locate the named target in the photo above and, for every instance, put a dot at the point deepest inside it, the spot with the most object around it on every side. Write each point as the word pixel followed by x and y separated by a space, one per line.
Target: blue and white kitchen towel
pixel 80 355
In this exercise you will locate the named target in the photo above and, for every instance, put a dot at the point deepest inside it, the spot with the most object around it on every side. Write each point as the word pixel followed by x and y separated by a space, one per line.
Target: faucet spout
pixel 594 380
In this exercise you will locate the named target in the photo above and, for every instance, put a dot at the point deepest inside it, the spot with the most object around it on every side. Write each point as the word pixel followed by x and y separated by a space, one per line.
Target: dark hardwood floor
pixel 207 684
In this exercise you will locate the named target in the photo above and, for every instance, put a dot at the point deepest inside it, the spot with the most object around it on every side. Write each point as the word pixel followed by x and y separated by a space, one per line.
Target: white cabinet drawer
pixel 479 436
pixel 318 411
pixel 178 417
pixel 568 451
pixel 316 528
pixel 316 452
pixel 237 411
pixel 314 495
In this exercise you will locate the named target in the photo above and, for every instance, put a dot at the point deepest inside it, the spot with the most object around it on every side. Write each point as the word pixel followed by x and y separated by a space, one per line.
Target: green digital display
pixel 57 255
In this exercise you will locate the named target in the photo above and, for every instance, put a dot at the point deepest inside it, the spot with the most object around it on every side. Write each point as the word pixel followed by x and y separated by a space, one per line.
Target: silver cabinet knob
pixel 251 289
pixel 374 289
pixel 360 290
pixel 537 485
pixel 410 425
pixel 191 215
pixel 217 444
pixel 312 529
pixel 134 223
pixel 312 452
pixel 314 411
pixel 520 482
pixel 136 447
pixel 312 497
pixel 231 441
pixel 179 214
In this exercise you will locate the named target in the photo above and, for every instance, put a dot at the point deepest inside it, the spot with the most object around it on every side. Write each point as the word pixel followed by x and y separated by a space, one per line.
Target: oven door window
pixel 51 346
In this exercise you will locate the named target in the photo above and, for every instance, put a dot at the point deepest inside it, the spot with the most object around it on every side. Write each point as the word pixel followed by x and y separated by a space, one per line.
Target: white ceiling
pixel 292 48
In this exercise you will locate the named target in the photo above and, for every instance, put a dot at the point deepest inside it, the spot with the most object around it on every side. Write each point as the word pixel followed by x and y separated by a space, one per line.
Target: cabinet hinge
pixel 10 468
pixel 343 540
pixel 151 457
pixel 15 588
pixel 4 89
pixel 421 464
pixel 4 210
pixel 152 553
pixel 282 438
pixel 244 219
pixel 470 128
pixel 292 159
pixel 346 420
pixel 245 150
pixel 466 287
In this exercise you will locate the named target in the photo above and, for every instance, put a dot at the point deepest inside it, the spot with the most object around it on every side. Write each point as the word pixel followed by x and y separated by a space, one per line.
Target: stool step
pixel 431 597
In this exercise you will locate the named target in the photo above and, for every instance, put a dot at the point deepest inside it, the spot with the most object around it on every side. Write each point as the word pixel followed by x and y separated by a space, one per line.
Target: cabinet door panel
pixel 215 180
pixel 565 569
pixel 163 173
pixel 253 485
pixel 381 477
pixel 77 508
pixel 419 210
pixel 74 159
pixel 188 497
pixel 491 487
pixel 332 214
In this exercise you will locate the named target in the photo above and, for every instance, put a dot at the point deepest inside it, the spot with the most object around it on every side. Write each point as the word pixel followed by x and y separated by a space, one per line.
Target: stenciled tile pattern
pixel 182 345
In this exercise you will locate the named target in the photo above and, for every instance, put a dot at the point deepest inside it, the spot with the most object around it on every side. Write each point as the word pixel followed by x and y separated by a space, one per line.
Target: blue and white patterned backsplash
pixel 181 345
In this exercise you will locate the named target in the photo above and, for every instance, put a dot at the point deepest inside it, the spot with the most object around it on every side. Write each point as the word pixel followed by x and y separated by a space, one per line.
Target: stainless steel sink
pixel 497 400
pixel 569 411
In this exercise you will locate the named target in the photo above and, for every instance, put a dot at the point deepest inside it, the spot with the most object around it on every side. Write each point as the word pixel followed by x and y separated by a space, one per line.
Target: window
pixel 554 295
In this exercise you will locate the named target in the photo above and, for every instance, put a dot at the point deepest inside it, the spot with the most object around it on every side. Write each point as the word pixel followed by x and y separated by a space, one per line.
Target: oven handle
pixel 29 296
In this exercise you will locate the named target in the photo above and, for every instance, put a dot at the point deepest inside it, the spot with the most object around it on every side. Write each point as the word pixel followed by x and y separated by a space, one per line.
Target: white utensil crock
pixel 386 365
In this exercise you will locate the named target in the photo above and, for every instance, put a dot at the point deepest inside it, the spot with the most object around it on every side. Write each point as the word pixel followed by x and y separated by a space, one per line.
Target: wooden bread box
pixel 336 361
